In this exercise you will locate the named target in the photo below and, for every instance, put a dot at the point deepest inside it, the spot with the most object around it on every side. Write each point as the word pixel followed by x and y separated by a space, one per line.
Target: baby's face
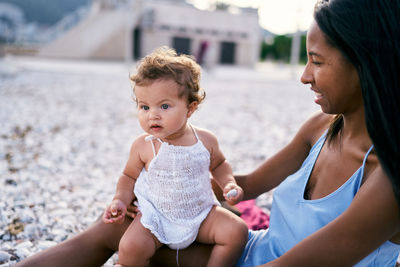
pixel 162 112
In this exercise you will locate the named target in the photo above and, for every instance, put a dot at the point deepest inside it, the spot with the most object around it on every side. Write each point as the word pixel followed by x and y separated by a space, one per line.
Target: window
pixel 227 53
pixel 182 45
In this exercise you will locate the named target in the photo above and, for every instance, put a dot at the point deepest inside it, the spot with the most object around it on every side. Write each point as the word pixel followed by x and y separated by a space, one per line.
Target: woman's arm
pixel 288 160
pixel 372 218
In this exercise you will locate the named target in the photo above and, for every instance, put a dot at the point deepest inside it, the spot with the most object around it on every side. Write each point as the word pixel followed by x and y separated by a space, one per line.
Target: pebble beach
pixel 66 128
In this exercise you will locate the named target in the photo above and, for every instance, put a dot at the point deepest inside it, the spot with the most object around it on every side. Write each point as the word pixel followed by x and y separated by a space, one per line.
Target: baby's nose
pixel 154 114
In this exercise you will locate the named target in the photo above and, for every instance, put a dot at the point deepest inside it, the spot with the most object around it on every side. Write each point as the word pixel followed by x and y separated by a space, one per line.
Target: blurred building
pixel 130 29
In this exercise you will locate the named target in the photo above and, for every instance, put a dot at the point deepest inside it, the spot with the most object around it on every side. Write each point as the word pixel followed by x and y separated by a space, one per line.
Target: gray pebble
pixel 4 256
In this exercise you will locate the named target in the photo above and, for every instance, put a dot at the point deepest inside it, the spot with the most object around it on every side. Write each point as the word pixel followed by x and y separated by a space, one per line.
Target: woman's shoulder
pixel 319 121
pixel 315 126
pixel 321 117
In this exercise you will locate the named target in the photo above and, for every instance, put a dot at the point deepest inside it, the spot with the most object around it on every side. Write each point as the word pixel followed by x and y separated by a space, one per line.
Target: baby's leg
pixel 229 234
pixel 137 245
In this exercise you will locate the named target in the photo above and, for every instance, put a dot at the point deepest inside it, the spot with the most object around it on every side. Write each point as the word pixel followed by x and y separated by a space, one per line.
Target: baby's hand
pixel 233 193
pixel 115 212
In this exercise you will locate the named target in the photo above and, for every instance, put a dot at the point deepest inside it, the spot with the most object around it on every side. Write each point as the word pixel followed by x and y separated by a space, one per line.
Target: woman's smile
pixel 318 97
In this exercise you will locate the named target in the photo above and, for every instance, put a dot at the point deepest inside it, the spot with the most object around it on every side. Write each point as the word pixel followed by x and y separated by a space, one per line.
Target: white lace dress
pixel 175 194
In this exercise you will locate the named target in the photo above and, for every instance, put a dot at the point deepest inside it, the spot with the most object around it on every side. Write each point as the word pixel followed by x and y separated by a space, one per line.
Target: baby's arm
pixel 115 212
pixel 221 170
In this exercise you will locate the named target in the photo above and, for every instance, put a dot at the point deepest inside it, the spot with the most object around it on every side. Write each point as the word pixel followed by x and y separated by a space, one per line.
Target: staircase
pixel 102 35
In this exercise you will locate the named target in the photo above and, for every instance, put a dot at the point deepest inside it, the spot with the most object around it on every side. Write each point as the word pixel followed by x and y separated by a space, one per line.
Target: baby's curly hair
pixel 165 63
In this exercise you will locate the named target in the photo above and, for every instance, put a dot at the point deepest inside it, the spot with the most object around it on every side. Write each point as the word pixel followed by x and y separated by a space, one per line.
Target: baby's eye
pixel 144 107
pixel 164 106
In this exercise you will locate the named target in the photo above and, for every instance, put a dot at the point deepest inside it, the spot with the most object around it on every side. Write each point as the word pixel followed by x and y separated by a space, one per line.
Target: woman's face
pixel 333 79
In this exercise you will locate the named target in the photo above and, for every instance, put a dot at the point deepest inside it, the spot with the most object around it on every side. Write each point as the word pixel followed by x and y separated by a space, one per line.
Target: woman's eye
pixel 314 60
pixel 164 106
pixel 144 107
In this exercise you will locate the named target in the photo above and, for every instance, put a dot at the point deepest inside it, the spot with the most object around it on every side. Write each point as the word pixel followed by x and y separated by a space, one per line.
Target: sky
pixel 277 16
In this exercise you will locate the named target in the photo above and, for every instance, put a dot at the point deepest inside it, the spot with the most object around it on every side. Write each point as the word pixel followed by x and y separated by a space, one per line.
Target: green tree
pixel 280 49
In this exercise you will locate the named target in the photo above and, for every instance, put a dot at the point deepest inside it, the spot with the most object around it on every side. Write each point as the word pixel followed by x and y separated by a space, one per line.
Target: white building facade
pixel 130 29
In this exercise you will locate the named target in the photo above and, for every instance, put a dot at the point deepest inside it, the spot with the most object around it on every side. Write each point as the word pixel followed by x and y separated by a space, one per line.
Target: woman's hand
pixel 133 209
pixel 233 193
pixel 115 212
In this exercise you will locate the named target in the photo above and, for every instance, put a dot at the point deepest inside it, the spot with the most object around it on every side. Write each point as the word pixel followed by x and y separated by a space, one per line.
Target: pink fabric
pixel 254 217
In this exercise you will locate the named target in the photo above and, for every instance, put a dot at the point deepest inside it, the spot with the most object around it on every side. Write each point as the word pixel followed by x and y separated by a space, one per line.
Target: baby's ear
pixel 191 108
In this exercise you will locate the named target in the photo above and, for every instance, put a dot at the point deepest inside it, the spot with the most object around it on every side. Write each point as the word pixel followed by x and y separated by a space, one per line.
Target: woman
pixel 340 208
pixel 337 203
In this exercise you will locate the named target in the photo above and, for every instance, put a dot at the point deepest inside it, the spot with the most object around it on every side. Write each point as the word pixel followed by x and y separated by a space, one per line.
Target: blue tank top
pixel 293 218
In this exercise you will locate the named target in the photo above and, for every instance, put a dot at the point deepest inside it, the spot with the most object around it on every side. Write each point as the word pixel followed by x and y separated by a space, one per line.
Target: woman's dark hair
pixel 367 32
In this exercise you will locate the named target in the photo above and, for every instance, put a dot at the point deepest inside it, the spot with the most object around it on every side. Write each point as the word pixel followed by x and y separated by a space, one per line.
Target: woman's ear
pixel 191 108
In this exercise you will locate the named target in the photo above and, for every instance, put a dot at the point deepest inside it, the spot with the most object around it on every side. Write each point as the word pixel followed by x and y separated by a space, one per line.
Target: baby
pixel 168 170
